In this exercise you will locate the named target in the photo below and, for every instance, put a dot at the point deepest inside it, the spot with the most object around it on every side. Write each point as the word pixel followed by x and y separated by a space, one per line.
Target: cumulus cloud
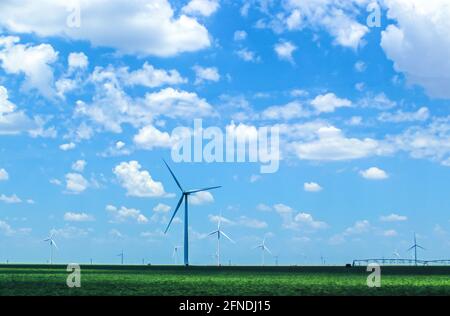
pixel 149 137
pixel 247 55
pixel 150 77
pixel 374 173
pixel 329 103
pixel 4 176
pixel 290 111
pixel 240 35
pixel 78 217
pixel 330 144
pixel 293 219
pixel 420 26
pixel 201 7
pixel 137 182
pixel 132 27
pixel 13 199
pixel 78 61
pixel 34 62
pixel 161 208
pixel 124 214
pixel 79 165
pixel 67 147
pixel 201 198
pixel 312 187
pixel 76 183
pixel 285 50
pixel 205 74
pixel 252 223
pixel 393 218
pixel 422 114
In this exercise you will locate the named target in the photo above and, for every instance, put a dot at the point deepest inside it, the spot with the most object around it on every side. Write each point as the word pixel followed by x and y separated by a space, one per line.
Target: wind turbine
pixel 185 197
pixel 219 233
pixel 121 255
pixel 263 248
pixel 175 253
pixel 397 254
pixel 52 244
pixel 415 246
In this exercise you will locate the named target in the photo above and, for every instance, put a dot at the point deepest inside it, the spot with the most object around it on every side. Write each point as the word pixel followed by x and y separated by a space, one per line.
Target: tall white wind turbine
pixel 185 197
pixel 219 233
pixel 52 243
pixel 263 248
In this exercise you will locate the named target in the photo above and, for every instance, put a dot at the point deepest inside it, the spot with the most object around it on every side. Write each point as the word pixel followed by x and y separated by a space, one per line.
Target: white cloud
pixel 67 147
pixel 360 66
pixel 201 7
pixel 393 218
pixel 4 176
pixel 421 26
pixel 216 218
pixel 149 137
pixel 6 229
pixel 379 101
pixel 312 187
pixel 338 18
pixel 13 199
pixel 430 141
pixel 360 227
pixel 78 61
pixel 149 76
pixel 247 55
pixel 252 223
pixel 421 115
pixel 290 111
pixel 201 198
pixel 374 173
pixel 329 144
pixel 78 217
pixel 32 61
pixel 76 183
pixel 204 74
pixel 70 232
pixel 263 207
pixel 329 103
pixel 240 35
pixel 137 182
pixel 295 220
pixel 161 208
pixel 79 165
pixel 285 50
pixel 132 27
pixel 390 233
pixel 124 214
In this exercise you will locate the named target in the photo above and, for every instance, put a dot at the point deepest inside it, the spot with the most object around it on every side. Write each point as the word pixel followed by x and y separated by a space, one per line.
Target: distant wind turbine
pixel 175 253
pixel 121 255
pixel 415 246
pixel 52 243
pixel 184 197
pixel 397 254
pixel 219 233
pixel 263 248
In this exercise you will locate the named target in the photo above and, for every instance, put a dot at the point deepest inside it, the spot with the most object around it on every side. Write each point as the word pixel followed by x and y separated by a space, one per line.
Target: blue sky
pixel 90 96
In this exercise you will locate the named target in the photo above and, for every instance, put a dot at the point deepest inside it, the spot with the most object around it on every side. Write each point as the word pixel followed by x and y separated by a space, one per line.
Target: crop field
pixel 44 280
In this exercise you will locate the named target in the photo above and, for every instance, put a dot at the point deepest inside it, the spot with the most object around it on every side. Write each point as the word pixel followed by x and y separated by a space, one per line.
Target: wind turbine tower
pixel 52 243
pixel 121 255
pixel 263 248
pixel 219 233
pixel 415 246
pixel 185 197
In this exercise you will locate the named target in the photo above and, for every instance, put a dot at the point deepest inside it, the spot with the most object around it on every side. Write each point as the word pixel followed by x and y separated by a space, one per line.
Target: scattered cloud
pixel 76 183
pixel 374 173
pixel 312 187
pixel 123 214
pixel 78 217
pixel 285 50
pixel 393 218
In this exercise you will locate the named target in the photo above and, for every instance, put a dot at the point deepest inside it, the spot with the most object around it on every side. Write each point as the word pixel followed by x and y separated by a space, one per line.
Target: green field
pixel 225 281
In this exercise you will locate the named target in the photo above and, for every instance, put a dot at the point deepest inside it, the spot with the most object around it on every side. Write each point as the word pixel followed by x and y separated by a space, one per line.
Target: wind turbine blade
pixel 202 190
pixel 226 236
pixel 260 246
pixel 268 250
pixel 54 244
pixel 173 175
pixel 420 247
pixel 213 233
pixel 174 213
pixel 411 248
pixel 48 239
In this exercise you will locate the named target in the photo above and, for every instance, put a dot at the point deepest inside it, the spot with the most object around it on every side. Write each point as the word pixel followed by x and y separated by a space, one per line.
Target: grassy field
pixel 226 281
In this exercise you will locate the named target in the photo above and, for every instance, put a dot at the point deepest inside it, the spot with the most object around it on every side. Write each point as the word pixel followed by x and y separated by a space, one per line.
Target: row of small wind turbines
pixel 185 194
